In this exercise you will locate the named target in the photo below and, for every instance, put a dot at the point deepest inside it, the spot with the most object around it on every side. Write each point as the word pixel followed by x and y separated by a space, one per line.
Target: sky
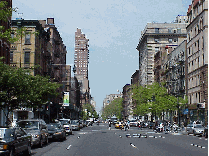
pixel 113 28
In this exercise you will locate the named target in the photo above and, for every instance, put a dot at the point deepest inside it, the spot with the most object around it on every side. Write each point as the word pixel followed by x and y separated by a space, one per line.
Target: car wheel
pixel 41 143
pixel 11 152
pixel 65 136
pixel 194 133
pixel 28 151
pixel 47 140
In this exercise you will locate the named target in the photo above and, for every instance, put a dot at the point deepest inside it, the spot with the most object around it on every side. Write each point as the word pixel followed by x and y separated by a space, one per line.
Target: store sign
pixel 66 99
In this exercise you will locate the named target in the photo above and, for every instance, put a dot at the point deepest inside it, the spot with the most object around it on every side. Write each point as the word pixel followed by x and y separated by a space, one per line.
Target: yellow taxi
pixel 119 124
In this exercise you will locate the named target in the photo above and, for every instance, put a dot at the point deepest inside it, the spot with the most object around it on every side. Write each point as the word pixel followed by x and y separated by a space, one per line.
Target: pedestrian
pixel 138 123
pixel 128 123
pixel 109 125
pixel 124 125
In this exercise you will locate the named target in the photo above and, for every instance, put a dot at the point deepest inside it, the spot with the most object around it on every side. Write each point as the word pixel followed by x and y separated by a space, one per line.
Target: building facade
pixel 197 60
pixel 81 61
pixel 154 36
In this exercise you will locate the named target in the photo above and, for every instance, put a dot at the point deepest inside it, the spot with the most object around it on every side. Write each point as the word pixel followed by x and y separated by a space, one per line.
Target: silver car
pixel 195 129
pixel 75 125
pixel 198 129
pixel 37 128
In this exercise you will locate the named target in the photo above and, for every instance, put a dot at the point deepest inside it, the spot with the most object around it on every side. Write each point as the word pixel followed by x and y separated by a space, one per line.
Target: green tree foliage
pixel 155 99
pixel 90 110
pixel 20 89
pixel 114 108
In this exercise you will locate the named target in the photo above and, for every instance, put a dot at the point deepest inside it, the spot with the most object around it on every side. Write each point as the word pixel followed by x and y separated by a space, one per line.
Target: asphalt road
pixel 99 141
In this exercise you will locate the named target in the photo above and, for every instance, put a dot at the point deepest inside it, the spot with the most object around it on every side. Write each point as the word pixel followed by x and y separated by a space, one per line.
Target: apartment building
pixel 154 36
pixel 197 60
pixel 81 60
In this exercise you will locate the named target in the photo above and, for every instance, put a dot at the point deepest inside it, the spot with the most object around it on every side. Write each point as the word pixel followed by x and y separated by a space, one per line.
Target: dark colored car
pixel 56 131
pixel 14 140
pixel 37 128
pixel 150 125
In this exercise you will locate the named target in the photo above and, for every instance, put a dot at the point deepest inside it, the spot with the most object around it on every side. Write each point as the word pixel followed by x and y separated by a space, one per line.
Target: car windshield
pixel 74 122
pixel 6 133
pixel 28 124
pixel 53 126
pixel 64 122
pixel 198 126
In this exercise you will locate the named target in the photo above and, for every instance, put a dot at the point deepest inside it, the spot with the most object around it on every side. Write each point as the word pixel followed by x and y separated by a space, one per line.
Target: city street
pixel 98 140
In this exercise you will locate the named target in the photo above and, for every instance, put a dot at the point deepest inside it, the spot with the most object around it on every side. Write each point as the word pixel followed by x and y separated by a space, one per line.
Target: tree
pixel 20 89
pixel 87 109
pixel 114 108
pixel 154 99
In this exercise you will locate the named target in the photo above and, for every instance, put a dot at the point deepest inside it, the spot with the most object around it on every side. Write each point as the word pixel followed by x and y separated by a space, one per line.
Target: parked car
pixel 206 132
pixel 14 140
pixel 198 129
pixel 67 125
pixel 56 131
pixel 37 128
pixel 75 125
pixel 195 129
pixel 150 124
pixel 133 123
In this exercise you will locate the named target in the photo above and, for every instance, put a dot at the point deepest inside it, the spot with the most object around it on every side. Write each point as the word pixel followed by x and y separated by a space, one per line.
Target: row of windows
pixel 27 37
pixel 170 40
pixel 196 46
pixel 170 30
pixel 195 98
pixel 194 81
pixel 196 63
pixel 26 57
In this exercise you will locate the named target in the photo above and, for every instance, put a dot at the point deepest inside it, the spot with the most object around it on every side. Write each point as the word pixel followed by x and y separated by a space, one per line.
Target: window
pixel 175 39
pixel 27 57
pixel 156 30
pixel 27 38
pixel 170 40
pixel 11 56
pixel 179 30
pixel 156 40
pixel 174 31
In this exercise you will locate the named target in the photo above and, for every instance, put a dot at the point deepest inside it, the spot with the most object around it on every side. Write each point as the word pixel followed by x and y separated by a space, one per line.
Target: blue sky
pixel 113 28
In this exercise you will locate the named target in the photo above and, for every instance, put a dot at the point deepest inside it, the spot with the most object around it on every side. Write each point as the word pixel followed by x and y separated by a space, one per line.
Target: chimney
pixel 50 21
pixel 43 23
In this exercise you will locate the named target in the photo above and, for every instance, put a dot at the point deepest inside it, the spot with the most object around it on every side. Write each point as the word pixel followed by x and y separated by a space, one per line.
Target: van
pixel 66 123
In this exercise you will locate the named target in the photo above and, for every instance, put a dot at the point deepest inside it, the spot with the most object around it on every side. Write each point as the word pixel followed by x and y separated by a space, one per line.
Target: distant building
pixel 197 60
pixel 127 102
pixel 110 98
pixel 81 61
pixel 154 36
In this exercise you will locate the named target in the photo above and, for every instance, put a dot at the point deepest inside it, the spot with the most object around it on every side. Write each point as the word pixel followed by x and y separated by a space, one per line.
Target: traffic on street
pixel 99 140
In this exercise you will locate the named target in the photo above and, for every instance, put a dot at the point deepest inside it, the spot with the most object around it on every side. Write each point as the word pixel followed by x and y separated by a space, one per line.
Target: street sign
pixel 66 99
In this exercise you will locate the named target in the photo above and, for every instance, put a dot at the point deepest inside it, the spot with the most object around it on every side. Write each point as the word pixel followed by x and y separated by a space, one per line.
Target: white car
pixel 66 125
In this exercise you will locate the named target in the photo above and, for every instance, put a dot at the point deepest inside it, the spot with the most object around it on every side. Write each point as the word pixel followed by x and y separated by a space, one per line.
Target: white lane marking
pixel 68 147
